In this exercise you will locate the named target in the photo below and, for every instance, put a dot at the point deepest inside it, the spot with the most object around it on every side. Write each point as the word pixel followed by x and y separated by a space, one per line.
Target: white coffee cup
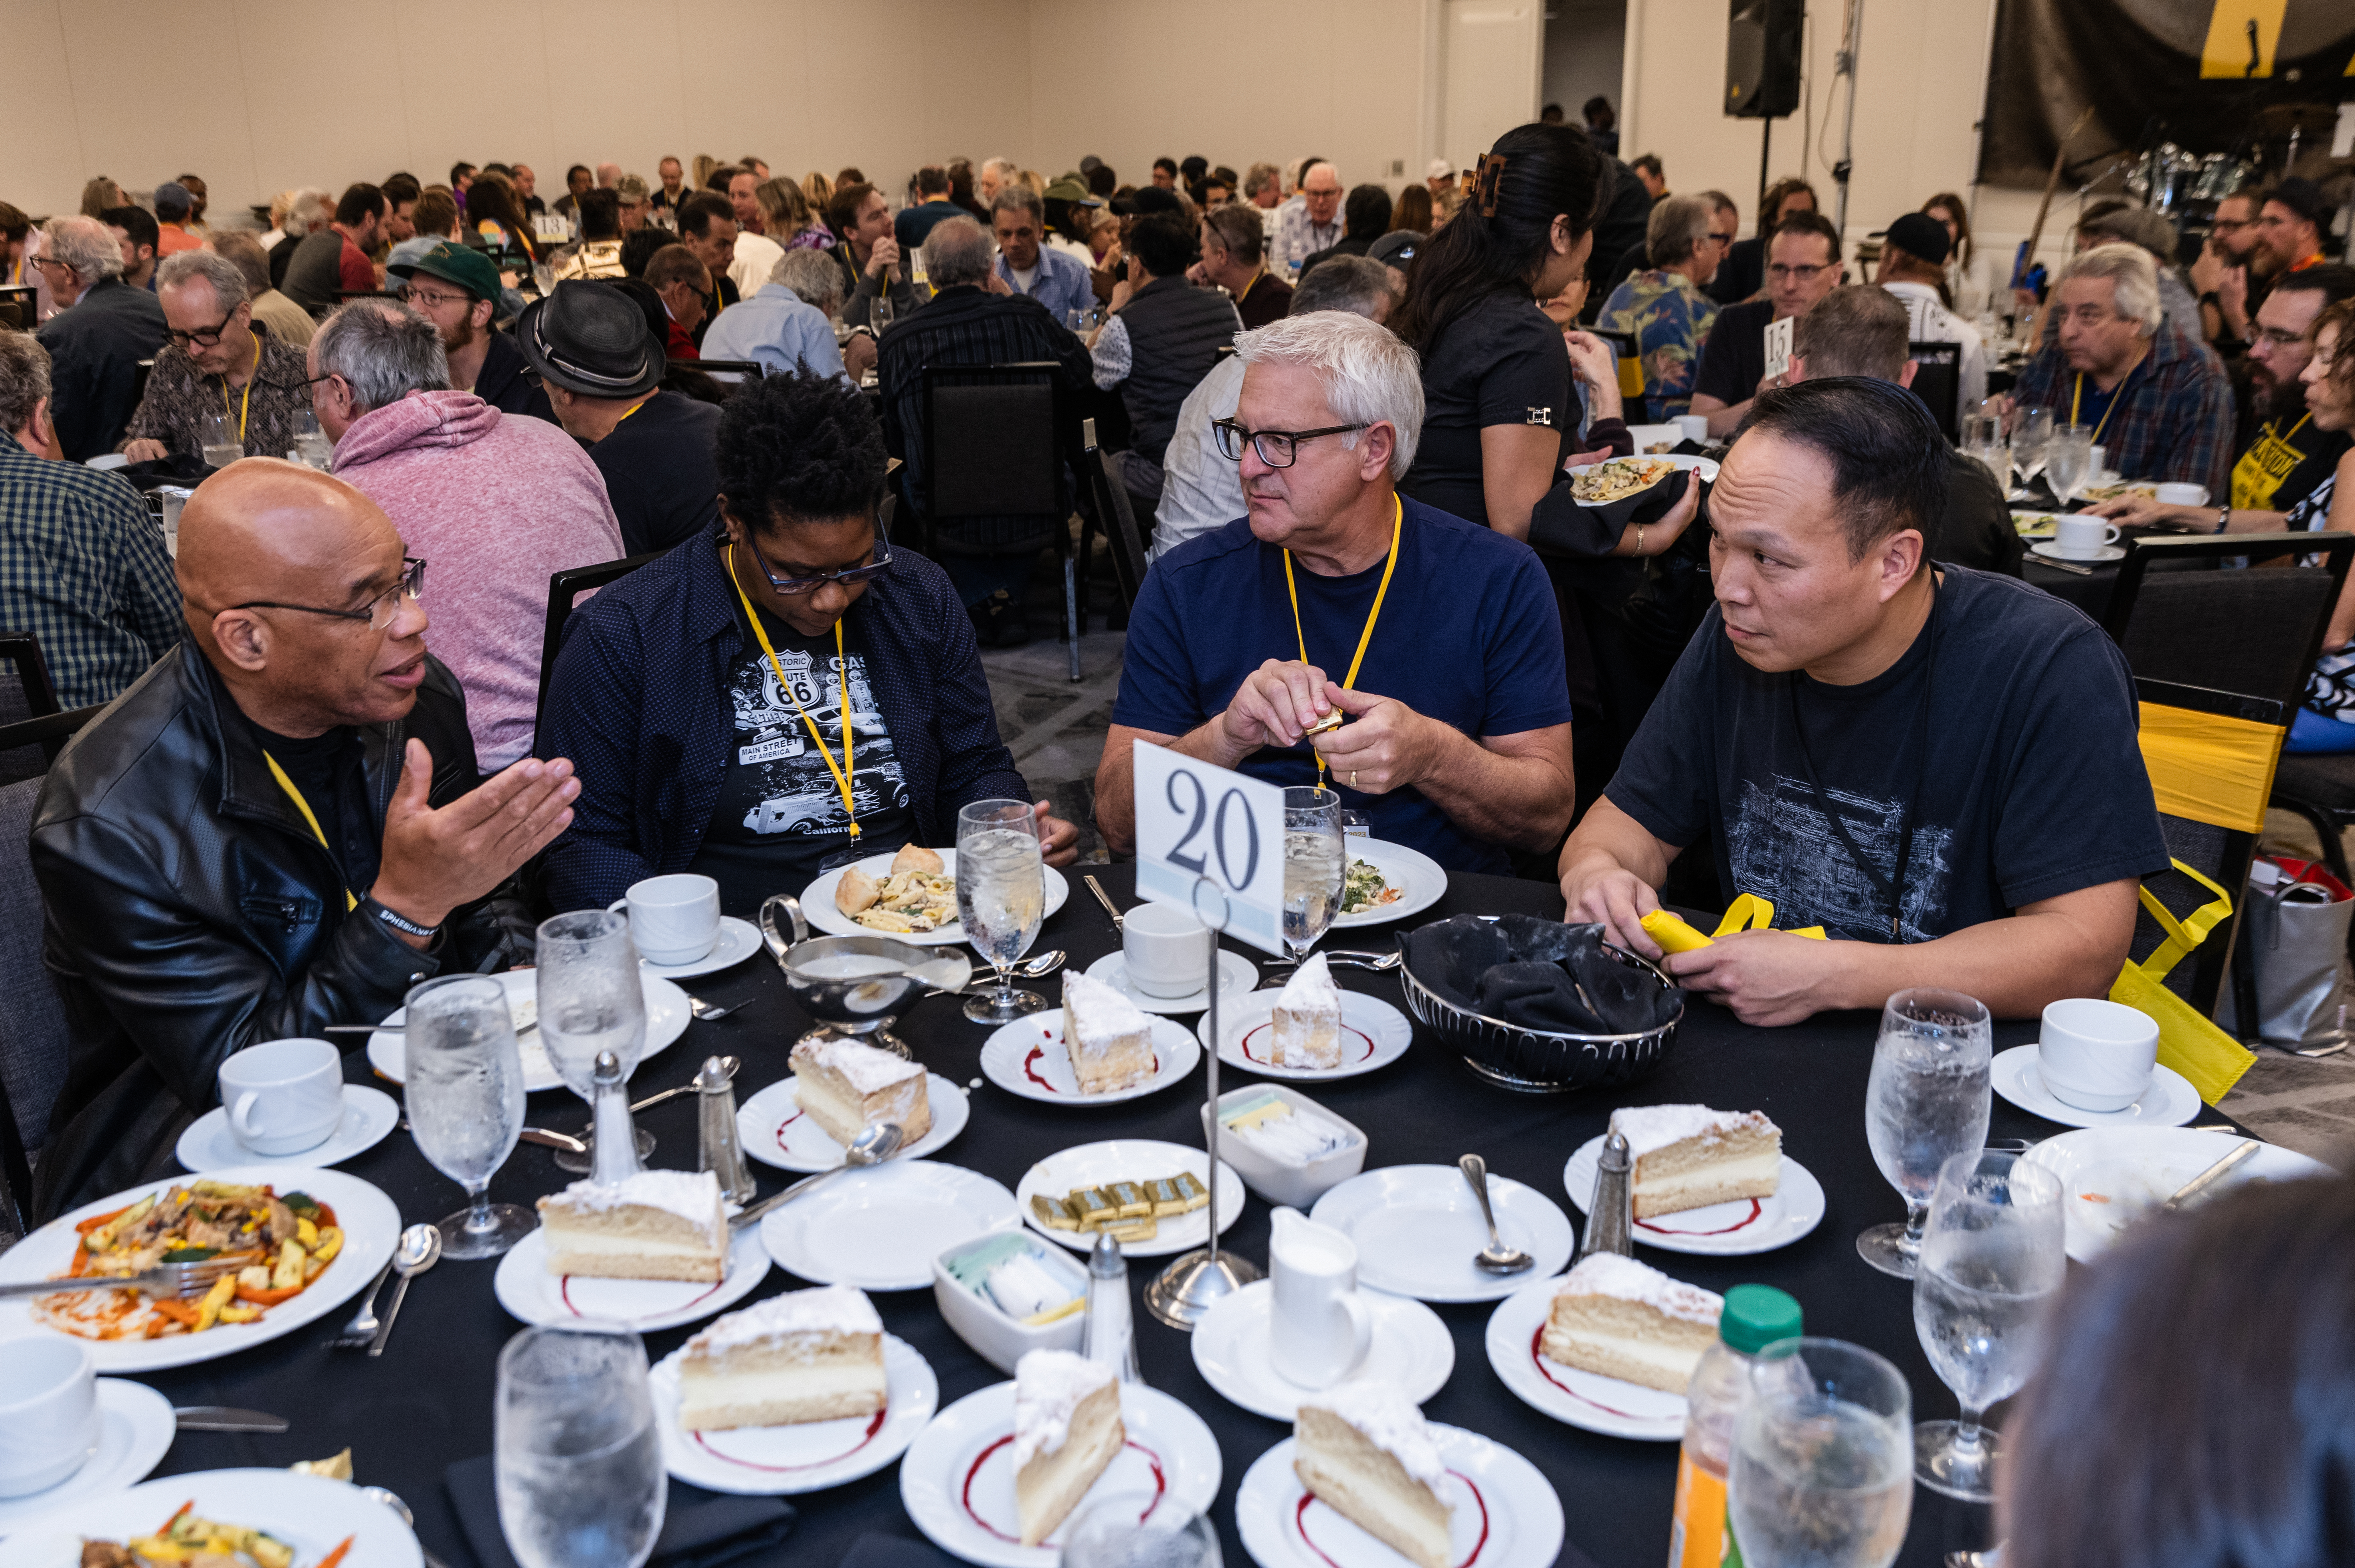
pixel 284 1096
pixel 2076 534
pixel 2178 494
pixel 1319 1328
pixel 1164 950
pixel 2097 1055
pixel 1694 426
pixel 50 1421
pixel 673 919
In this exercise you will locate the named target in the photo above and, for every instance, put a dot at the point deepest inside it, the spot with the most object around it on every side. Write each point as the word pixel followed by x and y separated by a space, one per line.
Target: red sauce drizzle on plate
pixel 1268 1027
pixel 964 1494
pixel 873 1427
pixel 1300 1523
pixel 1756 1208
pixel 1538 1339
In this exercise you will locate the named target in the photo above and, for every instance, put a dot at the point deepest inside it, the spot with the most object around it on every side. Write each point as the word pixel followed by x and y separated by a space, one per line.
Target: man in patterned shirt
pixel 1663 306
pixel 216 360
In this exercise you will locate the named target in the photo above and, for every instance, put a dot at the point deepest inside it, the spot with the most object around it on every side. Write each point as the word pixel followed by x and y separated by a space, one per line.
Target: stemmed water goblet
pixel 465 1097
pixel 1001 890
pixel 590 1000
pixel 577 1461
pixel 1314 866
pixel 1823 1459
pixel 1926 1101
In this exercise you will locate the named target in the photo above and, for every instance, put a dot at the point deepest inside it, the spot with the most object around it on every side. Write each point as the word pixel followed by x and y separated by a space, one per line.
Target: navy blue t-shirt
pixel 1468 635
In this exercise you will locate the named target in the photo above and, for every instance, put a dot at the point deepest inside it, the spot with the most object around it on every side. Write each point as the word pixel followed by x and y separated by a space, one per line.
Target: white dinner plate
pixel 2050 550
pixel 1503 1513
pixel 1719 1230
pixel 1420 881
pixel 1236 978
pixel 773 1131
pixel 1373 1034
pixel 1027 1057
pixel 368 1115
pixel 529 1292
pixel 2110 1177
pixel 309 1513
pixel 1612 1406
pixel 957 1478
pixel 1412 1348
pixel 1132 1159
pixel 2169 1102
pixel 1417 1227
pixel 135 1430
pixel 818 902
pixel 738 940
pixel 1705 466
pixel 371 1223
pixel 810 1456
pixel 880 1228
pixel 667 1016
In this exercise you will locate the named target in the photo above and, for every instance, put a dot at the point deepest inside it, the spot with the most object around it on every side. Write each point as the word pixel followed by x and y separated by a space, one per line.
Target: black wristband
pixel 2210 298
pixel 401 922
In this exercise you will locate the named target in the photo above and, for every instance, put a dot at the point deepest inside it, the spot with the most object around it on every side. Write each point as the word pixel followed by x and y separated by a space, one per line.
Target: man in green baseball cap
pixel 1067 203
pixel 457 288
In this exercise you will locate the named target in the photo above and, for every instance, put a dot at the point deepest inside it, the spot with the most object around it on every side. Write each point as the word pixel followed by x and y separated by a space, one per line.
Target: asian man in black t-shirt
pixel 1938 767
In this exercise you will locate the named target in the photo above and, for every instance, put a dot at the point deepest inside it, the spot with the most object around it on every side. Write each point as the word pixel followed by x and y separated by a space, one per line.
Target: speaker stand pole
pixel 1766 141
pixel 1844 64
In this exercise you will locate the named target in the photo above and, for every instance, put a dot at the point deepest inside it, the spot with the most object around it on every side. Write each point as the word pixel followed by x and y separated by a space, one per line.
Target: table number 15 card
pixel 1198 823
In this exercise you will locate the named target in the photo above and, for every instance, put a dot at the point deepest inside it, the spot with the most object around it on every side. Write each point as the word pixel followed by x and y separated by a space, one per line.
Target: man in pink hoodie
pixel 498 503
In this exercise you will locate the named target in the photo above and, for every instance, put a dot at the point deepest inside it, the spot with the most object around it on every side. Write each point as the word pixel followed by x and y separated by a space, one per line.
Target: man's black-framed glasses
pixel 377 612
pixel 205 339
pixel 1276 448
pixel 848 577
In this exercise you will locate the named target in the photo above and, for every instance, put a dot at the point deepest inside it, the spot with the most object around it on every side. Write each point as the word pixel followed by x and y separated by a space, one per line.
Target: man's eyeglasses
pixel 1798 274
pixel 413 295
pixel 1276 448
pixel 2277 337
pixel 377 612
pixel 848 577
pixel 204 339
pixel 2234 225
pixel 1725 241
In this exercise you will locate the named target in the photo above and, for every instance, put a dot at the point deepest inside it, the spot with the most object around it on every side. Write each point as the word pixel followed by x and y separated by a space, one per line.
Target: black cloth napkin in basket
pixel 701 1529
pixel 1537 974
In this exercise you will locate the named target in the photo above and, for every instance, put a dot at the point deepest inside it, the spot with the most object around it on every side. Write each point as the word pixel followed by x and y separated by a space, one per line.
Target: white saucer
pixel 738 940
pixel 1721 1230
pixel 1132 1159
pixel 1373 1034
pixel 957 1478
pixel 1608 1405
pixel 2050 550
pixel 1236 978
pixel 1417 1227
pixel 667 1019
pixel 1027 1057
pixel 135 1430
pixel 2169 1102
pixel 1412 1348
pixel 773 1131
pixel 880 1229
pixel 1504 1512
pixel 805 1457
pixel 529 1292
pixel 368 1115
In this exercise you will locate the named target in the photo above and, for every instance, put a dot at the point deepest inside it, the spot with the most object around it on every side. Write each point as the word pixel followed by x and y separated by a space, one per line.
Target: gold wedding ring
pixel 1353 778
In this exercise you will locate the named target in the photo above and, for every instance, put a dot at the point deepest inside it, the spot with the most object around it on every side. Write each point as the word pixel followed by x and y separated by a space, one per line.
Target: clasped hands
pixel 1766 977
pixel 1384 745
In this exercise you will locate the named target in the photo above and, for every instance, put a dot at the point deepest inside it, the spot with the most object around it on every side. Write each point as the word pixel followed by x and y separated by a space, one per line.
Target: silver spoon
pixel 362 1328
pixel 873 1146
pixel 564 1141
pixel 1348 958
pixel 1033 969
pixel 728 1065
pixel 392 1500
pixel 420 1248
pixel 710 1012
pixel 1496 1257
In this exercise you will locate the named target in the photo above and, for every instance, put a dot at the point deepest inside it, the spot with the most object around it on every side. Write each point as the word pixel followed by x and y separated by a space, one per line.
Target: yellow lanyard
pixel 642 403
pixel 247 407
pixel 304 806
pixel 1398 522
pixel 2116 393
pixel 842 672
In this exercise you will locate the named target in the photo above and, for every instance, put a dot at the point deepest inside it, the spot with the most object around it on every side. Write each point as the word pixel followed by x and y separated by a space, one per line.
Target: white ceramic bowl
pixel 1296 1185
pixel 1001 1340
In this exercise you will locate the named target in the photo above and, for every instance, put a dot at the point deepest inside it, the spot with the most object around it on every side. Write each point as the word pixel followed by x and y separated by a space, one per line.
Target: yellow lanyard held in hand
pixel 842 672
pixel 1398 523
pixel 350 904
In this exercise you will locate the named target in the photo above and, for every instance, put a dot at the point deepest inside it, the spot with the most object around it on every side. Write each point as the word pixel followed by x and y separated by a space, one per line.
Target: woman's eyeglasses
pixel 848 577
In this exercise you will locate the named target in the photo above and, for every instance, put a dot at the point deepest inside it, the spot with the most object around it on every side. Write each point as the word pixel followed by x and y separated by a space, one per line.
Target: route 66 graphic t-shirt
pixel 780 820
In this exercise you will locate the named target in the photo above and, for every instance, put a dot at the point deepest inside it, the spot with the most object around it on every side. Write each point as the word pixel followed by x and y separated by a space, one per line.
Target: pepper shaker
pixel 1108 1333
pixel 1611 1216
pixel 615 1156
pixel 719 1149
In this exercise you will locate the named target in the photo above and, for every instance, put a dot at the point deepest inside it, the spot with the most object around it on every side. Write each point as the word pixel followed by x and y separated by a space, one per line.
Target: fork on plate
pixel 182 1282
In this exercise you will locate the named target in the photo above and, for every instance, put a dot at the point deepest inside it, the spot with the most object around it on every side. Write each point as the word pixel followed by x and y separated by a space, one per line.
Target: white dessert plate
pixel 957 1479
pixel 1237 976
pixel 2110 1177
pixel 774 1130
pixel 1418 1227
pixel 1719 1230
pixel 1373 1034
pixel 818 902
pixel 1132 1159
pixel 806 1457
pixel 309 1513
pixel 135 1430
pixel 1412 1348
pixel 1504 1513
pixel 738 940
pixel 2169 1102
pixel 1027 1057
pixel 880 1229
pixel 368 1115
pixel 666 1016
pixel 2050 550
pixel 1611 1406
pixel 529 1292
pixel 1420 880
pixel 370 1222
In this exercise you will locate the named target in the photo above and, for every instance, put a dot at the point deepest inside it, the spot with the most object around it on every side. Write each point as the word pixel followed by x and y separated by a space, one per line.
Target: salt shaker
pixel 1108 1333
pixel 1611 1215
pixel 719 1150
pixel 615 1157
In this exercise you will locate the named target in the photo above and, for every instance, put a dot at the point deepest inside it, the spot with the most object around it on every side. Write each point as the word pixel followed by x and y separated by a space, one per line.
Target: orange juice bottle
pixel 1755 1316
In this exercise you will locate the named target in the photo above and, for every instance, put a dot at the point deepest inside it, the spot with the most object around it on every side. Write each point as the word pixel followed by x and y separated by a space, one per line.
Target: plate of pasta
pixel 908 895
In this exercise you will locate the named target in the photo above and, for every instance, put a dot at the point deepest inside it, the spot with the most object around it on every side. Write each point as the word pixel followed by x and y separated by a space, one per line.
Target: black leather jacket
pixel 189 912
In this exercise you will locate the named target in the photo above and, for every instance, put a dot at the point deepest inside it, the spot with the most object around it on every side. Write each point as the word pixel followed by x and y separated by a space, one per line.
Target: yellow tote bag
pixel 2212 1059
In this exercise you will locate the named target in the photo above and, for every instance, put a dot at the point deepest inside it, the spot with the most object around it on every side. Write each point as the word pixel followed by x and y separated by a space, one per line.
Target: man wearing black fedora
pixel 589 344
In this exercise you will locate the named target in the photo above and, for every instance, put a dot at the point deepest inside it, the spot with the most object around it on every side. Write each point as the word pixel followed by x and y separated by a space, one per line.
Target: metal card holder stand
pixel 1182 1295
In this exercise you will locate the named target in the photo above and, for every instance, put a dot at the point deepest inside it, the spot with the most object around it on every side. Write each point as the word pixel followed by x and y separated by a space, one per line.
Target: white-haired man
pixel 1315 223
pixel 777 325
pixel 216 360
pixel 1456 731
pixel 995 175
pixel 102 329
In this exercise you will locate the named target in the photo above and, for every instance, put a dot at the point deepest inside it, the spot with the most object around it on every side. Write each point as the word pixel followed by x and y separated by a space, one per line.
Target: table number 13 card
pixel 1196 822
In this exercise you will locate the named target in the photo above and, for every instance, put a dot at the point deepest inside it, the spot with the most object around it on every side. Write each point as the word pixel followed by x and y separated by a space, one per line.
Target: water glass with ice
pixel 464 1091
pixel 590 1000
pixel 217 434
pixel 1823 1459
pixel 1001 890
pixel 1314 865
pixel 576 1458
pixel 1926 1101
pixel 1139 1529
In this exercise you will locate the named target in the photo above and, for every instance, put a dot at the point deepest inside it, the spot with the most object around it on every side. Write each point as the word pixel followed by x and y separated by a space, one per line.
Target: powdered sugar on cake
pixel 829 1309
pixel 692 1195
pixel 865 1069
pixel 1108 1012
pixel 1311 988
pixel 1048 1388
pixel 1606 1274
pixel 1650 1127
pixel 1391 1421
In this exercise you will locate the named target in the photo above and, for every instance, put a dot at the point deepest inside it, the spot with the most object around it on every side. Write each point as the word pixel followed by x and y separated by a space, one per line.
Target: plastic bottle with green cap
pixel 1755 1316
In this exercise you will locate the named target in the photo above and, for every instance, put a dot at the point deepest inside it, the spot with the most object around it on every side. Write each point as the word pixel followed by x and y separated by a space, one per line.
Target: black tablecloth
pixel 427 1402
pixel 2090 591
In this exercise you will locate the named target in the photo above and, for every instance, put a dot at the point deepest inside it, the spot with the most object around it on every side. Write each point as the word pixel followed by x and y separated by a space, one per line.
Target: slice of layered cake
pixel 1109 1040
pixel 1067 1428
pixel 1307 1018
pixel 1689 1156
pixel 848 1087
pixel 1614 1316
pixel 808 1355
pixel 659 1224
pixel 1364 1451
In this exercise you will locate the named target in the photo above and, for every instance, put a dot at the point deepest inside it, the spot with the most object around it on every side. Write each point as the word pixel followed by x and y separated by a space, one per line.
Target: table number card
pixel 1196 820
pixel 1778 346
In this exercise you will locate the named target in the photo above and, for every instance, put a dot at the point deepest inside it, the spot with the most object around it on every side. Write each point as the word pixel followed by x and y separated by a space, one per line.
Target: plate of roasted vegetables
pixel 302 1243
pixel 218 1519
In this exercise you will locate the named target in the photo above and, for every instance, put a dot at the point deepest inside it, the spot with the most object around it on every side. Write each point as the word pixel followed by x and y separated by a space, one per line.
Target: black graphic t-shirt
pixel 780 820
pixel 2027 775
